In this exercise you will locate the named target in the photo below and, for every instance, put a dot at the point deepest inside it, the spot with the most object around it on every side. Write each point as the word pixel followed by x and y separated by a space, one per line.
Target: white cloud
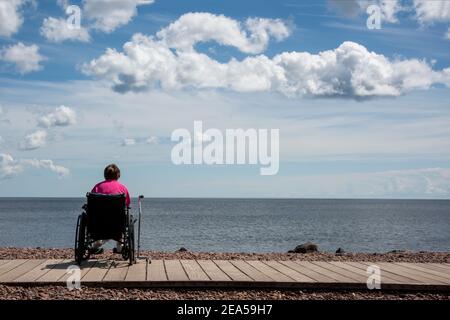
pixel 10 17
pixel 151 140
pixel 424 11
pixel 422 182
pixel 62 116
pixel 34 140
pixel 63 3
pixel 128 142
pixel 195 27
pixel 348 71
pixel 25 58
pixel 389 8
pixel 57 30
pixel 432 11
pixel 447 35
pixel 428 181
pixel 111 14
pixel 9 167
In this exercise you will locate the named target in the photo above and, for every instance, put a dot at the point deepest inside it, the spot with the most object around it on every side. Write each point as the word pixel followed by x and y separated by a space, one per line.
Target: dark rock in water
pixel 397 251
pixel 306 248
pixel 182 249
pixel 340 251
pixel 291 251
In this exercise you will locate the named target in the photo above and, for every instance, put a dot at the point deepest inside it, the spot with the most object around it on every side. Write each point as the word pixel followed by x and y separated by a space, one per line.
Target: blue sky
pixel 362 113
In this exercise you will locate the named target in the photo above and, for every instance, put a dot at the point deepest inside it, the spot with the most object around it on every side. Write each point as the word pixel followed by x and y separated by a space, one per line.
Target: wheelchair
pixel 105 217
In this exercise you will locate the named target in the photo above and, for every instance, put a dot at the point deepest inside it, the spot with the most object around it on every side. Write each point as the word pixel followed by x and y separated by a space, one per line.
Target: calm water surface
pixel 245 225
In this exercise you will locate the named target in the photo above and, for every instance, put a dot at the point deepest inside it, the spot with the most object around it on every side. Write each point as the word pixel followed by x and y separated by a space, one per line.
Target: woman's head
pixel 112 172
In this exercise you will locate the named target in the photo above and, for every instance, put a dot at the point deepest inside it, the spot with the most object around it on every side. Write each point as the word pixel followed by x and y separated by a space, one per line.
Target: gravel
pixel 399 256
pixel 100 293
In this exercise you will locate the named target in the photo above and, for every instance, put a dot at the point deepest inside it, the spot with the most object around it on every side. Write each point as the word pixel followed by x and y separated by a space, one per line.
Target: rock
pixel 291 251
pixel 182 249
pixel 340 251
pixel 306 248
pixel 397 251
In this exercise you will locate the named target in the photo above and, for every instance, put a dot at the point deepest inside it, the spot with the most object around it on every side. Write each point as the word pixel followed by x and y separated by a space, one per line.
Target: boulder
pixel 182 249
pixel 396 251
pixel 340 251
pixel 306 248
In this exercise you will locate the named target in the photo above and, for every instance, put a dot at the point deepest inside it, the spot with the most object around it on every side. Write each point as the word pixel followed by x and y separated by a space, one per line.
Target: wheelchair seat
pixel 105 217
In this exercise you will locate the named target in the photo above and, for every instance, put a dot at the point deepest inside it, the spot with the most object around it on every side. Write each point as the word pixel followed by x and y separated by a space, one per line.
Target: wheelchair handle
pixel 139 225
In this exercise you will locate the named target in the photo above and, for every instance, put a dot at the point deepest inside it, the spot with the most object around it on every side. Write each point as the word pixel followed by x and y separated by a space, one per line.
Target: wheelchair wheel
pixel 131 243
pixel 128 246
pixel 81 247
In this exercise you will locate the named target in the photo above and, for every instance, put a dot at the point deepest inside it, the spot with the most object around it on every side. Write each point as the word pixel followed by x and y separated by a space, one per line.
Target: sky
pixel 362 113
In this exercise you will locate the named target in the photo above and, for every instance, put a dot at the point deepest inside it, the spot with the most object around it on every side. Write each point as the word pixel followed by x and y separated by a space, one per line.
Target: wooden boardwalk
pixel 228 273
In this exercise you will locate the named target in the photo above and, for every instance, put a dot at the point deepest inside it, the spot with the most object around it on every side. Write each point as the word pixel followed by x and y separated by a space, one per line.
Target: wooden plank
pixel 19 270
pixel 3 261
pixel 11 264
pixel 117 272
pixel 194 271
pixel 57 271
pixel 175 271
pixel 439 267
pixel 84 268
pixel 234 273
pixel 250 271
pixel 346 273
pixel 137 272
pixel 269 271
pixel 301 274
pixel 97 272
pixel 297 276
pixel 318 277
pixel 156 271
pixel 331 274
pixel 38 271
pixel 213 271
pixel 435 267
pixel 444 276
pixel 385 273
pixel 416 275
pixel 363 272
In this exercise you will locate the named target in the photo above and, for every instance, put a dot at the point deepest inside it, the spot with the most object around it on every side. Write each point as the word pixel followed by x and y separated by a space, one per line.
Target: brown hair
pixel 112 172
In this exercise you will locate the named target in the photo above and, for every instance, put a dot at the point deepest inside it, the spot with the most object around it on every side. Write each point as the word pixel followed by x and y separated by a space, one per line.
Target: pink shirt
pixel 112 187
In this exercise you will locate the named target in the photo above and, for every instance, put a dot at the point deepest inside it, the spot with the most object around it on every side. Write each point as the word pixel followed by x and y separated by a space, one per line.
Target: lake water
pixel 245 225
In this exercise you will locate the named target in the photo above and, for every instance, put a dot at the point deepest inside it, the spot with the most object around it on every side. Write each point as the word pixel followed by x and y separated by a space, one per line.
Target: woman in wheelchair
pixel 106 216
pixel 110 185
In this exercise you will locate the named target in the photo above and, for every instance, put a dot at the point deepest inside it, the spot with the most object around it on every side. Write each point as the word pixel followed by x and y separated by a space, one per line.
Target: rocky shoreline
pixel 395 256
pixel 99 293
